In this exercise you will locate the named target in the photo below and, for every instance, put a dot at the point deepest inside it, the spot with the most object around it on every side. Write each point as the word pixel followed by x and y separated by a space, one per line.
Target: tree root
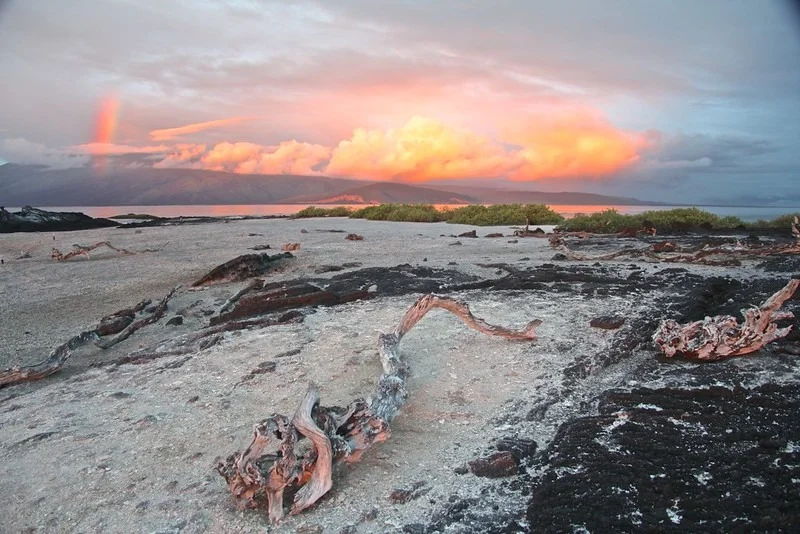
pixel 336 434
pixel 716 338
pixel 81 250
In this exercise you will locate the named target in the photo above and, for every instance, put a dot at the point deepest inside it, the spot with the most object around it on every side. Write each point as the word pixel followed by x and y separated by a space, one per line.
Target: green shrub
pixel 505 214
pixel 313 211
pixel 137 216
pixel 784 221
pixel 400 212
pixel 681 219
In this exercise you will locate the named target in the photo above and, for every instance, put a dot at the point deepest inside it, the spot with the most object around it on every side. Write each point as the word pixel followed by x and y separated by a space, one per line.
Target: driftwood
pixel 289 247
pixel 669 252
pixel 206 337
pixel 49 365
pixel 158 313
pixel 270 464
pixel 242 268
pixel 715 338
pixel 83 250
pixel 108 325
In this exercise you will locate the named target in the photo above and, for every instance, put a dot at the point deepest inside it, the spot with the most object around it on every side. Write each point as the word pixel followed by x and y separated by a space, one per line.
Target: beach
pixel 132 448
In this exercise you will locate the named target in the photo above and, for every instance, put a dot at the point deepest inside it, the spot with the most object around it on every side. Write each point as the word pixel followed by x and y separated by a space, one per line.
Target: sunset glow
pixel 647 99
pixel 426 149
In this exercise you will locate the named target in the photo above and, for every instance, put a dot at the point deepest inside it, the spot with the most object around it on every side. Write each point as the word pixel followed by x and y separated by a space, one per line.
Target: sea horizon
pixel 746 213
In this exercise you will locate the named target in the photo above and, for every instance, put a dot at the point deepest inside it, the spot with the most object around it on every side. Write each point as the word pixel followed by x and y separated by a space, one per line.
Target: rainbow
pixel 105 127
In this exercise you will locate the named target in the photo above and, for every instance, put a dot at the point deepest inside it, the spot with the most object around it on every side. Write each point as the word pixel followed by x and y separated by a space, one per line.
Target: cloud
pixel 579 145
pixel 289 157
pixel 167 134
pixel 22 151
pixel 112 149
pixel 422 149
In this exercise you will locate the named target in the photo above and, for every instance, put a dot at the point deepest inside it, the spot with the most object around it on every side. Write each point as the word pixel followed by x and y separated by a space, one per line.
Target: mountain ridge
pixel 22 185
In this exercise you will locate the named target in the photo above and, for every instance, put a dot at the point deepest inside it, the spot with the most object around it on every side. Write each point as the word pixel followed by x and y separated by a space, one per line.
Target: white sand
pixel 130 453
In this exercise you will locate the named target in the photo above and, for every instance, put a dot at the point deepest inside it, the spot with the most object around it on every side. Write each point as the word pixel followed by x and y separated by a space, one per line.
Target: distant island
pixel 22 185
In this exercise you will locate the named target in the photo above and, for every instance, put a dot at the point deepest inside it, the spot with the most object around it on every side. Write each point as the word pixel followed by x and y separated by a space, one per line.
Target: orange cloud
pixel 421 150
pixel 582 145
pixel 167 134
pixel 289 157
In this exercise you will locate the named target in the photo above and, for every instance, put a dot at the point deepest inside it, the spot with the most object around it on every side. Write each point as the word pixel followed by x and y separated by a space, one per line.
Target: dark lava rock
pixel 175 321
pixel 414 528
pixel 559 256
pixel 242 268
pixel 521 448
pixel 471 233
pixel 712 459
pixel 30 219
pixel 513 241
pixel 264 367
pixel 497 465
pixel 607 322
pixel 403 495
pixel 261 247
pixel 328 269
pixel 496 234
pixel 455 243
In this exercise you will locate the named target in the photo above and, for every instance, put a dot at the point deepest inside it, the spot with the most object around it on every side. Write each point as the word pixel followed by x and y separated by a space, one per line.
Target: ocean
pixel 746 213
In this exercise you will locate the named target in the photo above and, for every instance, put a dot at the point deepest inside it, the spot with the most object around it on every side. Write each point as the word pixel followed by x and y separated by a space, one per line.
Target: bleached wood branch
pixel 55 360
pixel 81 250
pixel 337 435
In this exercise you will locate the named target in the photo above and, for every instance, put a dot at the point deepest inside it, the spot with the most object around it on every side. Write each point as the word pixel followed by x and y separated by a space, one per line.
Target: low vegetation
pixel 498 214
pixel 505 214
pixel 313 211
pixel 401 212
pixel 136 216
pixel 609 221
pixel 664 221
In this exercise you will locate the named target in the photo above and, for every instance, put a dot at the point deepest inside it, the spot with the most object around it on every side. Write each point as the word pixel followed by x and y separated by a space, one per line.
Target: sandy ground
pixel 133 450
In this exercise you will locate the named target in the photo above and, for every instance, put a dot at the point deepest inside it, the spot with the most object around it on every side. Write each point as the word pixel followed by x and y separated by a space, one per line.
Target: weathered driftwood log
pixel 60 354
pixel 715 338
pixel 289 247
pixel 118 321
pixel 158 313
pixel 242 268
pixel 49 365
pixel 270 464
pixel 81 250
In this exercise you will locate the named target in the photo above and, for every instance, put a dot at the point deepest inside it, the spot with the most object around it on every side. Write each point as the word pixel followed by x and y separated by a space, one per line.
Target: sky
pixel 679 101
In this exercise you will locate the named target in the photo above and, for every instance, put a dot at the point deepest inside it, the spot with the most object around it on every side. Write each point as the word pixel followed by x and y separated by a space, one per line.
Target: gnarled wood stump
pixel 715 338
pixel 271 464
